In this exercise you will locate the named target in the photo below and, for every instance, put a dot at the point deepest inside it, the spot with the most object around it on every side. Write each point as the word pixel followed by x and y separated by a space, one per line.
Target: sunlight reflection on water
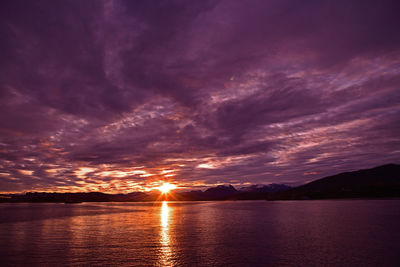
pixel 165 242
pixel 248 233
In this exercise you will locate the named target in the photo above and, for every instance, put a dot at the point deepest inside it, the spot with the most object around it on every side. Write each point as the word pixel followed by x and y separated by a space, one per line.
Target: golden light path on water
pixel 165 241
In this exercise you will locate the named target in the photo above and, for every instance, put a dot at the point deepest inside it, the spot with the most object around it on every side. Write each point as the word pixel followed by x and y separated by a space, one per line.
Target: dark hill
pixel 260 188
pixel 221 189
pixel 220 192
pixel 382 181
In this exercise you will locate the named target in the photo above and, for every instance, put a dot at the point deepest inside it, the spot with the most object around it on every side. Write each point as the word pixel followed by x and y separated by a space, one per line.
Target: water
pixel 241 233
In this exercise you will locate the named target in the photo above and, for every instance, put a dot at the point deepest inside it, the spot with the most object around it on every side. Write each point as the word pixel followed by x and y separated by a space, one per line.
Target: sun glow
pixel 166 187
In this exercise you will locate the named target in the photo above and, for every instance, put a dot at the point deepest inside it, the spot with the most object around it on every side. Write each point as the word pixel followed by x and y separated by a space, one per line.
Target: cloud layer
pixel 120 95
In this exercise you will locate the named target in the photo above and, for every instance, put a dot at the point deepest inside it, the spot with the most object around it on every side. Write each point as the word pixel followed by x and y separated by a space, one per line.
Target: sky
pixel 118 96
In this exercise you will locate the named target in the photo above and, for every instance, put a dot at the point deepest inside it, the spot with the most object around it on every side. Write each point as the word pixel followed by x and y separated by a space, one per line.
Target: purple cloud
pixel 119 95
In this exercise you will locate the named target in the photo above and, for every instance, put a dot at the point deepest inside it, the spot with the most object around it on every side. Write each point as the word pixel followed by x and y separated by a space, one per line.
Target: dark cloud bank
pixel 117 95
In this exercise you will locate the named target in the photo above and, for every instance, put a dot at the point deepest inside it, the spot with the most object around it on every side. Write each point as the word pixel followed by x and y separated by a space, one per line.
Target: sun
pixel 166 187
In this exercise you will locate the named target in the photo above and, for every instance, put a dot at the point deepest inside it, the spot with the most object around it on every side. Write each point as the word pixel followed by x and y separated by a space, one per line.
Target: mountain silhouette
pixel 378 182
pixel 382 181
pixel 260 188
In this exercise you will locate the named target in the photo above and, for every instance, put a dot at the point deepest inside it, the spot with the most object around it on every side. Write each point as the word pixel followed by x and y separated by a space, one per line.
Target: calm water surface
pixel 248 233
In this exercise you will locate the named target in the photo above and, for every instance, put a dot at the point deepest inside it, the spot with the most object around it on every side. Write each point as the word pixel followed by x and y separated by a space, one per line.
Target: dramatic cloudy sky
pixel 119 95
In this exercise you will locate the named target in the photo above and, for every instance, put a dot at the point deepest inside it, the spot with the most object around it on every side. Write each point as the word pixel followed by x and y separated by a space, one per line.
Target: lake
pixel 237 233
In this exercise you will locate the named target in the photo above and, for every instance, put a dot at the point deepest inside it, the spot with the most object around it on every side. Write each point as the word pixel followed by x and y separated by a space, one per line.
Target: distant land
pixel 378 182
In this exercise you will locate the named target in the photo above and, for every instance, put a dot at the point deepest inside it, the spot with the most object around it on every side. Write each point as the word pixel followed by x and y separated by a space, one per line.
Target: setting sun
pixel 166 187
